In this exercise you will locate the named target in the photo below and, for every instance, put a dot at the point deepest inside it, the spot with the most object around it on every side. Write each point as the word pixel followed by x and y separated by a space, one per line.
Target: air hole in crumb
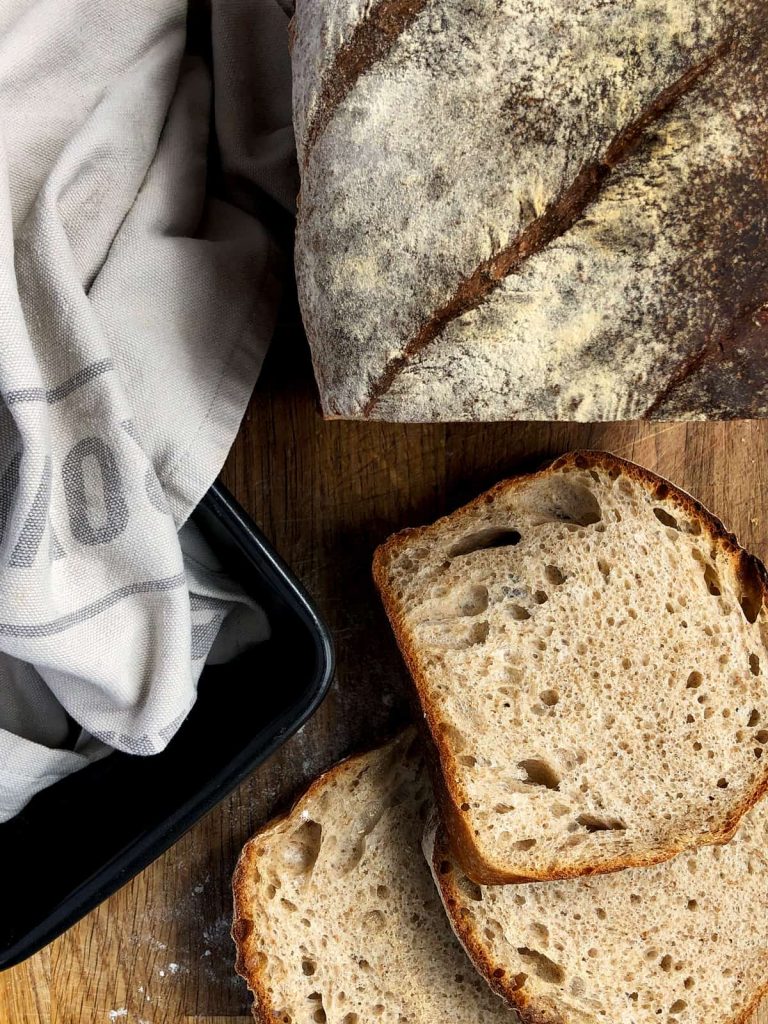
pixel 308 967
pixel 574 503
pixel 544 968
pixel 518 613
pixel 754 665
pixel 549 697
pixel 751 597
pixel 351 1018
pixel 666 519
pixel 712 580
pixel 678 1006
pixel 754 718
pixel 692 904
pixel 478 634
pixel 597 823
pixel 666 963
pixel 473 600
pixel 518 981
pixel 539 772
pixel 554 575
pixel 467 760
pixel 540 597
pixel 300 854
pixel 604 567
pixel 762 736
pixel 483 540
pixel 695 679
pixel 524 844
pixel 689 983
pixel 382 891
pixel 601 913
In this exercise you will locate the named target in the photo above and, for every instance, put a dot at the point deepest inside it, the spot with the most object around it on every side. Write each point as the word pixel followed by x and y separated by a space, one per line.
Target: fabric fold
pixel 138 294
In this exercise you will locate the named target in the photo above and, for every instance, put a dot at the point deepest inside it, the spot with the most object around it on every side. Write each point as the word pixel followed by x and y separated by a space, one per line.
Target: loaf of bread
pixel 336 916
pixel 684 942
pixel 530 209
pixel 588 646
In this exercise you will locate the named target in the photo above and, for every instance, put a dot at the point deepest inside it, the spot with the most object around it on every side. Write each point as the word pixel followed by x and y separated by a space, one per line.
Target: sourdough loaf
pixel 536 210
pixel 588 646
pixel 336 916
pixel 683 942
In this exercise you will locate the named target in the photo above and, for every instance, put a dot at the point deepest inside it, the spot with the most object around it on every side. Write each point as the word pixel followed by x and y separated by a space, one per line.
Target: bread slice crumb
pixel 588 647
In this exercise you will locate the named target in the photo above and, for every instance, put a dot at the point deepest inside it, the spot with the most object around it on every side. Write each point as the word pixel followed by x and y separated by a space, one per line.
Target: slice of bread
pixel 336 916
pixel 588 646
pixel 684 942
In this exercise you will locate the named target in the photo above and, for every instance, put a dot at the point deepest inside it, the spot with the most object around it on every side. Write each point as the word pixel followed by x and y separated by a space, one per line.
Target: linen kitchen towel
pixel 137 299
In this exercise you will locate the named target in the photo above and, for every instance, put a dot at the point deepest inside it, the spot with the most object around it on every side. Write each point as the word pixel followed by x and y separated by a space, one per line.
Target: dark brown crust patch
pixel 496 974
pixel 372 40
pixel 446 783
pixel 558 219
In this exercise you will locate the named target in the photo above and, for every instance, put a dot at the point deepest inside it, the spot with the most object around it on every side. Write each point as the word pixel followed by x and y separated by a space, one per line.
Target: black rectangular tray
pixel 78 841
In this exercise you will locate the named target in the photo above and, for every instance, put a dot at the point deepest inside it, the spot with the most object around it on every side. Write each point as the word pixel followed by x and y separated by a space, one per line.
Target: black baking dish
pixel 79 841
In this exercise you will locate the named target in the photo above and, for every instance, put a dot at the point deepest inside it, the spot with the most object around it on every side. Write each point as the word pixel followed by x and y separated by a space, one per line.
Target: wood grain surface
pixel 159 952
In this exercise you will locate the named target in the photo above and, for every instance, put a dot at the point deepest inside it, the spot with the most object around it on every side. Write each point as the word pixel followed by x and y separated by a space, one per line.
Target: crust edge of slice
pixel 445 782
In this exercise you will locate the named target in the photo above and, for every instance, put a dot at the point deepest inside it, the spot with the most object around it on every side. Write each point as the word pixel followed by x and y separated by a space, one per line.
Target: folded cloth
pixel 137 297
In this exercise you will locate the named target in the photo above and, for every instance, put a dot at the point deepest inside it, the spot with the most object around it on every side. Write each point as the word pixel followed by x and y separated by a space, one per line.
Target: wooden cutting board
pixel 159 952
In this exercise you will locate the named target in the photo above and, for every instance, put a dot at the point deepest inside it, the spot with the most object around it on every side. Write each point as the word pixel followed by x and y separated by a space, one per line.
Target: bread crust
pixel 530 1012
pixel 748 568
